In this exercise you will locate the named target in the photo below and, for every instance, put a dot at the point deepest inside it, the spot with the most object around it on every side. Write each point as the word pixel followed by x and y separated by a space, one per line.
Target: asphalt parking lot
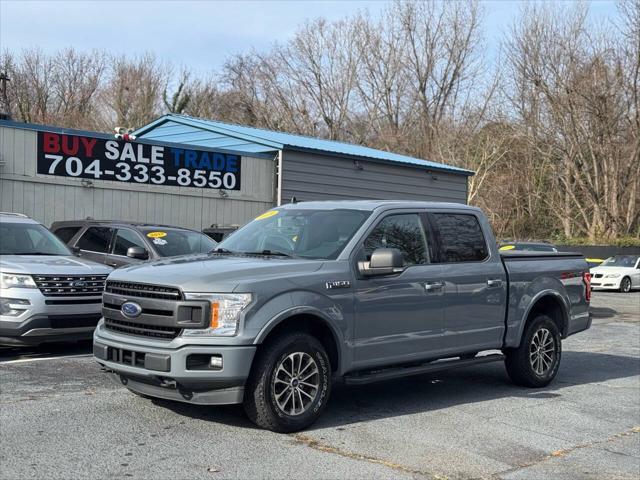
pixel 61 417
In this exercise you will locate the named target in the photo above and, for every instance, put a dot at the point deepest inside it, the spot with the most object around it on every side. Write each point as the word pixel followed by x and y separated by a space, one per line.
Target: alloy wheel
pixel 542 352
pixel 296 383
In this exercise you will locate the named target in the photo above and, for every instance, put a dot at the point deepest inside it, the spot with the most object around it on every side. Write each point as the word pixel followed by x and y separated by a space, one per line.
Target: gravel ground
pixel 60 417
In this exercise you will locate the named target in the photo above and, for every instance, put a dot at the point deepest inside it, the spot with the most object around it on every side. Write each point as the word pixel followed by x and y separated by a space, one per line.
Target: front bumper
pixel 162 371
pixel 45 319
pixel 605 283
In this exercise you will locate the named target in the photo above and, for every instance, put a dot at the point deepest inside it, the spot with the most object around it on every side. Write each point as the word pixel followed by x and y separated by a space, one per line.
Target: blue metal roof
pixel 214 134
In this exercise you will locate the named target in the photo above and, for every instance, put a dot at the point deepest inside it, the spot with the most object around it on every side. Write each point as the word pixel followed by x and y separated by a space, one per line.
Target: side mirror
pixel 138 253
pixel 76 251
pixel 384 261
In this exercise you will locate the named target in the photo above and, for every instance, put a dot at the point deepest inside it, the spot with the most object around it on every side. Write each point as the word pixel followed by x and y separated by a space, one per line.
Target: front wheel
pixel 625 285
pixel 289 385
pixel 536 361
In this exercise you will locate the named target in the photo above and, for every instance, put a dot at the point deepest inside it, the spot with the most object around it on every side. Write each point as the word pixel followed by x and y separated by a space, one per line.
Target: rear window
pixel 460 237
pixel 96 239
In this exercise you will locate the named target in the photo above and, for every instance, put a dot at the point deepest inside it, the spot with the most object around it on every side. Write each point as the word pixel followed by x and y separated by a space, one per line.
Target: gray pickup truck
pixel 352 291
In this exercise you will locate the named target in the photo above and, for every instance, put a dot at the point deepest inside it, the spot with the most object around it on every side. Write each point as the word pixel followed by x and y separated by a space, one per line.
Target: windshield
pixel 319 234
pixel 29 239
pixel 621 261
pixel 173 242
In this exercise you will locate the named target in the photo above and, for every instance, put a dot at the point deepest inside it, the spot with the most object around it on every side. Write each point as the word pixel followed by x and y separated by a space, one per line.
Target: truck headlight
pixel 612 275
pixel 225 313
pixel 16 280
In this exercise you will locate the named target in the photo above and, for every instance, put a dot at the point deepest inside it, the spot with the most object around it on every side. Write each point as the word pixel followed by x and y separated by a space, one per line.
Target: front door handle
pixel 494 283
pixel 433 286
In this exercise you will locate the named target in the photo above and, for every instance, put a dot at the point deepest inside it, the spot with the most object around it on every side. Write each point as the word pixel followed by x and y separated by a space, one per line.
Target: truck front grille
pixel 70 285
pixel 141 290
pixel 131 328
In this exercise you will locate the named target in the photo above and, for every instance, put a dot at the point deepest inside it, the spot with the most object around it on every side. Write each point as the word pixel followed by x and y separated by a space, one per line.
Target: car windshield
pixel 318 234
pixel 621 261
pixel 29 239
pixel 171 242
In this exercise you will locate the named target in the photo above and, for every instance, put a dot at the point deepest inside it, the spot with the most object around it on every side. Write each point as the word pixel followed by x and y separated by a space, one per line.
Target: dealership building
pixel 196 173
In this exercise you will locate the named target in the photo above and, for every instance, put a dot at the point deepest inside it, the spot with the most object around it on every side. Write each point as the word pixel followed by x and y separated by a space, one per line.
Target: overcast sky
pixel 197 34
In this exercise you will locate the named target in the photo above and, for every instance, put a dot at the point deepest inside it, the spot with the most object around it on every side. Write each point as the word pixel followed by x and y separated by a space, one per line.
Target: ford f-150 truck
pixel 355 291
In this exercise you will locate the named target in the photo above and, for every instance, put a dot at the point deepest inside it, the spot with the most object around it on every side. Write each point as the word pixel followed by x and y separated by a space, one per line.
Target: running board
pixel 399 372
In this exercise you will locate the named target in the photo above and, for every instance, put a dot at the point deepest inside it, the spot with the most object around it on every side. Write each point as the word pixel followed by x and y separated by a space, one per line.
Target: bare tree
pixel 133 93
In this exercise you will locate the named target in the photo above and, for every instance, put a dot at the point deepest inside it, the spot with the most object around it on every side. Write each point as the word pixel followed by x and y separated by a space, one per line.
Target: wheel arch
pixel 311 322
pixel 549 303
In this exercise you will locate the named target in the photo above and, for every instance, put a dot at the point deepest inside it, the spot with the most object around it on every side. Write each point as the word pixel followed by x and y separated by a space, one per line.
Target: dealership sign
pixel 100 159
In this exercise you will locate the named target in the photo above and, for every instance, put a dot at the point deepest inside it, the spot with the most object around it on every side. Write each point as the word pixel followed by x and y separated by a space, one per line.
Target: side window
pixel 461 238
pixel 66 233
pixel 126 238
pixel 404 232
pixel 96 239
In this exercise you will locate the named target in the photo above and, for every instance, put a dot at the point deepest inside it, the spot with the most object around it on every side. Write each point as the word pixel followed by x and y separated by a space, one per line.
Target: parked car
pixel 219 233
pixel 359 291
pixel 529 246
pixel 46 293
pixel 122 243
pixel 620 272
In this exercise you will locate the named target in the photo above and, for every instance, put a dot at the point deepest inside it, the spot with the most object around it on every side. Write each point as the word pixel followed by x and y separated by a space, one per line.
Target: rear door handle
pixel 494 283
pixel 433 286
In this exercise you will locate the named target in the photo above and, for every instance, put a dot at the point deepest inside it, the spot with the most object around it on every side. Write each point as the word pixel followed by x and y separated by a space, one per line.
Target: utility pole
pixel 5 112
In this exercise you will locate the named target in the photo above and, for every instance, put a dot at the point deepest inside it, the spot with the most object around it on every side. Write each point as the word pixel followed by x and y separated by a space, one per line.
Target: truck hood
pixel 213 273
pixel 51 264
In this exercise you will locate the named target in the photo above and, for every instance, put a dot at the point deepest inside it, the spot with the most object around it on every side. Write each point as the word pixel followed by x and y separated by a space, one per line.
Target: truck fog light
pixel 8 306
pixel 216 362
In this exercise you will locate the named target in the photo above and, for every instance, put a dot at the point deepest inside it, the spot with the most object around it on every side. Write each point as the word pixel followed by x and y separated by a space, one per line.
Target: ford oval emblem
pixel 79 284
pixel 131 309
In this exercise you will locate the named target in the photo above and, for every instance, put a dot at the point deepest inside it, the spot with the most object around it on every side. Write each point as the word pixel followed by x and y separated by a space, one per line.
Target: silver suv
pixel 46 293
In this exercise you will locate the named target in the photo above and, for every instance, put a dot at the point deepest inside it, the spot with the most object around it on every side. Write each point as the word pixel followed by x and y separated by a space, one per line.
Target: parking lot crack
pixel 563 452
pixel 326 448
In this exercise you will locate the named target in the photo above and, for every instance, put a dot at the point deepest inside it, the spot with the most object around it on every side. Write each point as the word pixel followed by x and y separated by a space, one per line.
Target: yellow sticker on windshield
pixel 156 234
pixel 507 247
pixel 268 214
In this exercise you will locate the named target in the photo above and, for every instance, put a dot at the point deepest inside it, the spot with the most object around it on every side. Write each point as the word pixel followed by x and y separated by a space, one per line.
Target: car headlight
pixel 16 280
pixel 612 275
pixel 225 313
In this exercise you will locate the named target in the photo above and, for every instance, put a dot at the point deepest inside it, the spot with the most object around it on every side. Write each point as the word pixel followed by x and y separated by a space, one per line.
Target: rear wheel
pixel 289 385
pixel 625 285
pixel 536 361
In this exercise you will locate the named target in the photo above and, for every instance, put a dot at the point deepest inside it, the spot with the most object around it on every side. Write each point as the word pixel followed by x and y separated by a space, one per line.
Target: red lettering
pixel 50 143
pixel 70 150
pixel 88 143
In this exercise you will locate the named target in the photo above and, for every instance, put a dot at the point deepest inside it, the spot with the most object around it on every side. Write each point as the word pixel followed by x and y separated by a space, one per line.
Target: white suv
pixel 46 293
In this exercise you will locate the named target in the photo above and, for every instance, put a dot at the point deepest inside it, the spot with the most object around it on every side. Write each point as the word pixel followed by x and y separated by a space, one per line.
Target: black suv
pixel 121 243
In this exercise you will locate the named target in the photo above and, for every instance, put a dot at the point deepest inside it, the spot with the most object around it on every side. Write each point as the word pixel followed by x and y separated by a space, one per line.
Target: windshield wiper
pixel 221 250
pixel 270 253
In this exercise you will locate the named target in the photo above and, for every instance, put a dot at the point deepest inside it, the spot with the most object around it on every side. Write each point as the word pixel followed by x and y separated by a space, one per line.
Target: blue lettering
pixel 205 162
pixel 218 162
pixel 190 158
pixel 177 152
pixel 232 163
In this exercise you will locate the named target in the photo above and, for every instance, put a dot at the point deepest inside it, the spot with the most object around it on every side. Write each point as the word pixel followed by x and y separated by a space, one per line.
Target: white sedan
pixel 620 272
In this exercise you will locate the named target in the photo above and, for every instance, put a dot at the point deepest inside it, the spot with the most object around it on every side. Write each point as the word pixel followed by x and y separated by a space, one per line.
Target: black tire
pixel 260 402
pixel 525 364
pixel 625 285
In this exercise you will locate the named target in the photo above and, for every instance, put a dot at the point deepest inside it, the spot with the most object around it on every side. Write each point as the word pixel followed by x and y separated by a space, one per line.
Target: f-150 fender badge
pixel 338 284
